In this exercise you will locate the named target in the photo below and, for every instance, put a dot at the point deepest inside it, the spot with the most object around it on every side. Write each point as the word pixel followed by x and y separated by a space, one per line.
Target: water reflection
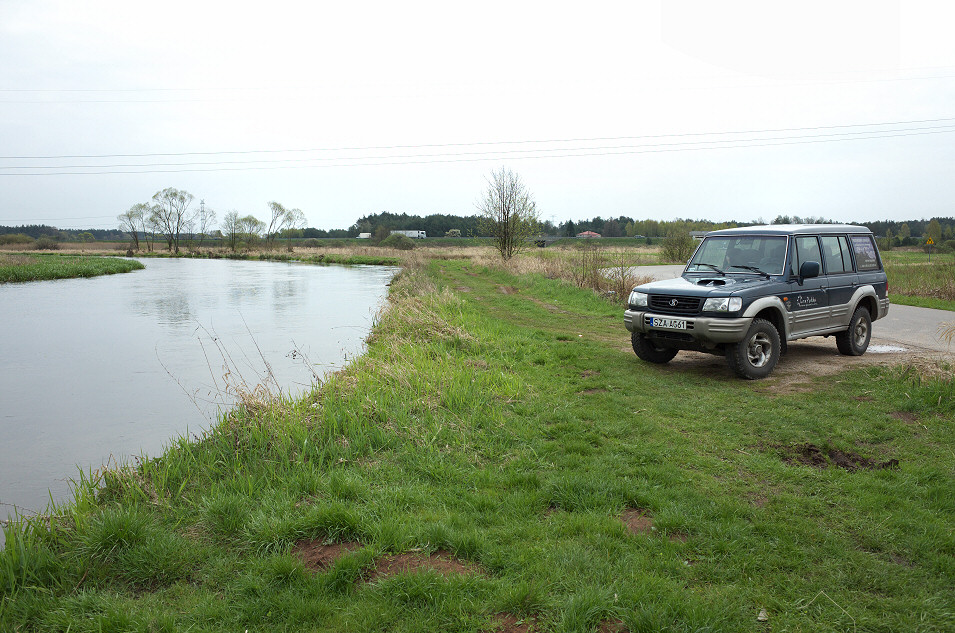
pixel 118 365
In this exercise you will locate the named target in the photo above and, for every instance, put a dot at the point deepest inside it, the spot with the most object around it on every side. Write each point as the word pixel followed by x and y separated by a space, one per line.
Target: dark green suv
pixel 747 291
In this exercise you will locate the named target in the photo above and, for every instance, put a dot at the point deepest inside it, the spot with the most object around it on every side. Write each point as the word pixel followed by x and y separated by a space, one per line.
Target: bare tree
pixel 279 213
pixel 294 219
pixel 207 220
pixel 508 212
pixel 131 220
pixel 232 228
pixel 252 228
pixel 172 214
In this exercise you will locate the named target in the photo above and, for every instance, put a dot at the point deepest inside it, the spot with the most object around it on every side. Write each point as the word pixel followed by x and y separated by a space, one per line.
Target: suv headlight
pixel 723 304
pixel 638 299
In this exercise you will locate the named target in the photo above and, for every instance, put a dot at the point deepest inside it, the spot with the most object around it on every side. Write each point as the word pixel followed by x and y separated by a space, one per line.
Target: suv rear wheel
pixel 756 355
pixel 855 340
pixel 647 350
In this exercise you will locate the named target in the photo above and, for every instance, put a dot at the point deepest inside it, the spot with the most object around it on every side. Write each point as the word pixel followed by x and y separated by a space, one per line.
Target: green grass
pixel 503 419
pixel 22 267
pixel 917 280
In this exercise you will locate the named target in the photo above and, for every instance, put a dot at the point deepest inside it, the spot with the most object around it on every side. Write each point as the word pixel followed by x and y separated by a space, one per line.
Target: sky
pixel 732 110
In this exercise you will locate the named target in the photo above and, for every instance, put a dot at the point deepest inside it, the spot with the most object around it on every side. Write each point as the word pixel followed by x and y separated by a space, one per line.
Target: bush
pixel 47 244
pixel 311 243
pixel 678 246
pixel 399 241
pixel 15 238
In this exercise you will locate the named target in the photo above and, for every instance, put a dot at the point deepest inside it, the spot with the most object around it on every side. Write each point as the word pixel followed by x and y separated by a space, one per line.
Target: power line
pixel 481 143
pixel 470 158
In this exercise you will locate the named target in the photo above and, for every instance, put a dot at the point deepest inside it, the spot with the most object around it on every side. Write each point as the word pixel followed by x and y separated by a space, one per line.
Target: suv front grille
pixel 675 304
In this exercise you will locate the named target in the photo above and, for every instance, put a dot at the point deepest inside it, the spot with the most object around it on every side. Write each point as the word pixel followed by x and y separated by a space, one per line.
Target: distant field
pixel 917 280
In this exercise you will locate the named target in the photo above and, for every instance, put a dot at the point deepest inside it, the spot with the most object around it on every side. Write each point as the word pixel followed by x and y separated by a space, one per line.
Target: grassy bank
pixel 500 461
pixel 30 267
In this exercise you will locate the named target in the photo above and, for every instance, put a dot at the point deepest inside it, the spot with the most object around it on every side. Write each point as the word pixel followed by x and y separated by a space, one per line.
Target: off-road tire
pixel 646 350
pixel 756 355
pixel 855 340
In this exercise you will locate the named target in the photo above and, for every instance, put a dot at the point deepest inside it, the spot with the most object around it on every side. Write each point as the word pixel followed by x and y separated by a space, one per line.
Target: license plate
pixel 673 324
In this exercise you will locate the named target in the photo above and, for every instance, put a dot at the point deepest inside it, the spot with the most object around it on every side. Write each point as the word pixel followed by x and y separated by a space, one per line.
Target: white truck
pixel 417 235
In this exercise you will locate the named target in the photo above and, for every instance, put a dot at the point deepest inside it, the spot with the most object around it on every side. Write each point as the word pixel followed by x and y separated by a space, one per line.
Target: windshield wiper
pixel 713 267
pixel 752 268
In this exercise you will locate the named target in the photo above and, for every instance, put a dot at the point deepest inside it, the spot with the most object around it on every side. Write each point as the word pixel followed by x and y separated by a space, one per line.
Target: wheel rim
pixel 861 333
pixel 759 349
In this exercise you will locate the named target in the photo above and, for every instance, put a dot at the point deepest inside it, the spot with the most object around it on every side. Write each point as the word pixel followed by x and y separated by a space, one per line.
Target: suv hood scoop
pixel 711 282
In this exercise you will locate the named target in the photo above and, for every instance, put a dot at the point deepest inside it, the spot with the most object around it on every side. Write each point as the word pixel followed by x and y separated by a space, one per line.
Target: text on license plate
pixel 673 324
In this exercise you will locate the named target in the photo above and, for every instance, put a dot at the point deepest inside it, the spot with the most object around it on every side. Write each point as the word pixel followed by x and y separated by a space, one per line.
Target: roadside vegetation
pixel 499 460
pixel 919 279
pixel 16 267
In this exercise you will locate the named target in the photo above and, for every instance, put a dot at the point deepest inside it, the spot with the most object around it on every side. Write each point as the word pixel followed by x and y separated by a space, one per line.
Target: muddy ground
pixel 811 358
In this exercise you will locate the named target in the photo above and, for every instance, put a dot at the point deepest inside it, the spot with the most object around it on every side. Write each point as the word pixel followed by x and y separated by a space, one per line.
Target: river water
pixel 99 370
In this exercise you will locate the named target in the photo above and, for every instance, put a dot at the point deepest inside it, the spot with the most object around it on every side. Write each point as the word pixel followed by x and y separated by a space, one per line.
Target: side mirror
pixel 808 270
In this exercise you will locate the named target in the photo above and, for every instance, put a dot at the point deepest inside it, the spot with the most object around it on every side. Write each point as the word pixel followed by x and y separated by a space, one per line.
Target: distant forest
pixel 438 225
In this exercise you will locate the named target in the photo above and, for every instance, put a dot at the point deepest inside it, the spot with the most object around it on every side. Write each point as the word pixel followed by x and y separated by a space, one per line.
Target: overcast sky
pixel 717 110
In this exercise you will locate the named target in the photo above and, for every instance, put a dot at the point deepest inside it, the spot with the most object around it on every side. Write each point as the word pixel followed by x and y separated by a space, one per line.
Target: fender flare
pixel 775 303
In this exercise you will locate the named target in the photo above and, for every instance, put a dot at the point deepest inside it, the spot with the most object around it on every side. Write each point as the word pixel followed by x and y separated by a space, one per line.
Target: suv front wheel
pixel 648 351
pixel 756 355
pixel 855 340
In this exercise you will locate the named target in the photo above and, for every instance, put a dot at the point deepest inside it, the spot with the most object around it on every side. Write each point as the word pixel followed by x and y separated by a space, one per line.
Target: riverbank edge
pixel 321 258
pixel 48 267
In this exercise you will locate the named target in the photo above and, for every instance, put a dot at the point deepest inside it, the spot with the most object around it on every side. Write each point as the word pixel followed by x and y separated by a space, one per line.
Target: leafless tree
pixel 252 228
pixel 231 228
pixel 207 220
pixel 130 221
pixel 279 213
pixel 508 212
pixel 294 219
pixel 171 210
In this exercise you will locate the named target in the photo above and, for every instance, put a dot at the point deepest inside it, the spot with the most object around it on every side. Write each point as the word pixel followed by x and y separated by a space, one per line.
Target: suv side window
pixel 835 251
pixel 807 250
pixel 866 257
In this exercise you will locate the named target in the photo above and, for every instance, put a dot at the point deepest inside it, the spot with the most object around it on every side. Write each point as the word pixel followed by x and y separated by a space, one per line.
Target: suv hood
pixel 705 285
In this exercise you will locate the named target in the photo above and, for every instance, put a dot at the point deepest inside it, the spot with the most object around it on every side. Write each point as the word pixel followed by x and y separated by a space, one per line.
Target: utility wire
pixel 508 153
pixel 484 143
pixel 363 162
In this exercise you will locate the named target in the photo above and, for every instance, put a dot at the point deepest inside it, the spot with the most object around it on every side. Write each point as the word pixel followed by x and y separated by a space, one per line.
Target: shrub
pixel 311 243
pixel 47 244
pixel 678 246
pixel 399 241
pixel 16 238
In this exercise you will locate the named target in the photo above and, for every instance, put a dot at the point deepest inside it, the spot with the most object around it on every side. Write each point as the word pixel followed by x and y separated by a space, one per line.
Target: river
pixel 99 370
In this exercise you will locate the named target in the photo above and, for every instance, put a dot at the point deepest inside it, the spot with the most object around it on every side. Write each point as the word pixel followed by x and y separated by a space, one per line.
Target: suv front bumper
pixel 707 331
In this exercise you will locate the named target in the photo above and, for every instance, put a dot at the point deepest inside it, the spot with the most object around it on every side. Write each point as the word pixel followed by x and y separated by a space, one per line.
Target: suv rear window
pixel 864 249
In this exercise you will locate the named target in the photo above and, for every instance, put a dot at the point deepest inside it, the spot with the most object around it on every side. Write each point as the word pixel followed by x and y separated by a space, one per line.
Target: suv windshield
pixel 740 254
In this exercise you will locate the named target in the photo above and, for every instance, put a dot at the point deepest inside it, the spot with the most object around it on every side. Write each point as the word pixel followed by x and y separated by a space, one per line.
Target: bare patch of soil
pixel 590 392
pixel 508 623
pixel 589 373
pixel 441 562
pixel 612 626
pixel 508 290
pixel 318 555
pixel 812 455
pixel 637 521
pixel 797 370
pixel 905 416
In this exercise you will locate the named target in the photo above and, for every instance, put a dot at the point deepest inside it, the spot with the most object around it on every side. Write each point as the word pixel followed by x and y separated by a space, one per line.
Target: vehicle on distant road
pixel 746 292
pixel 418 235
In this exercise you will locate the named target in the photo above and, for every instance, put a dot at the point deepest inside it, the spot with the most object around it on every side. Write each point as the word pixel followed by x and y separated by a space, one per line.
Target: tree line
pixel 170 217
